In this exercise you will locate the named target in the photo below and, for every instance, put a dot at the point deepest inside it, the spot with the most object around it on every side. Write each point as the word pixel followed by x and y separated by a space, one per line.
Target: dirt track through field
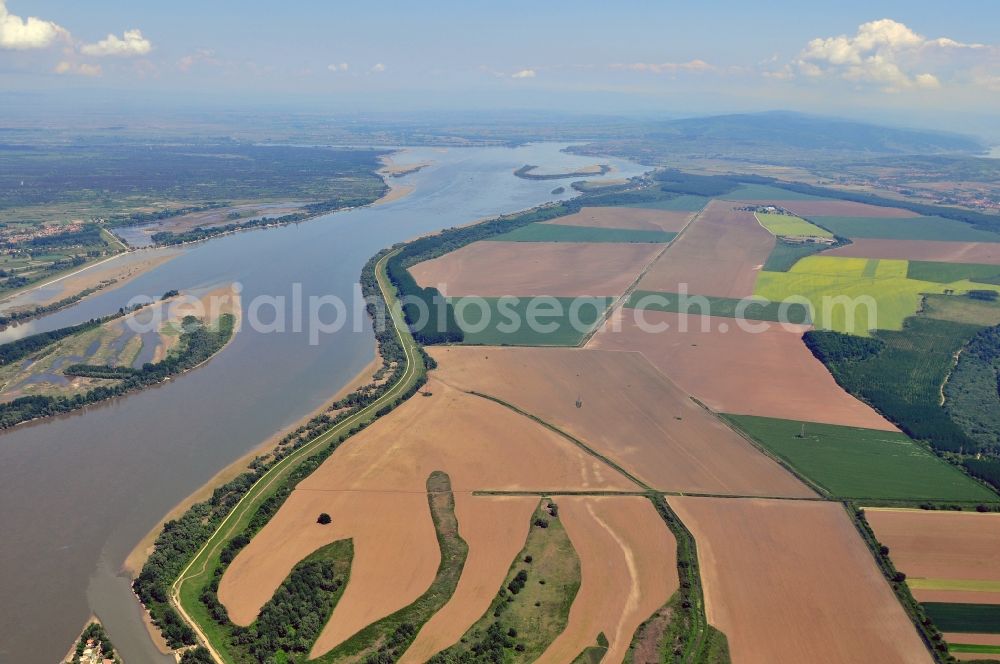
pixel 769 373
pixel 628 570
pixel 495 529
pixel 943 546
pixel 494 269
pixel 922 250
pixel 792 581
pixel 719 254
pixel 628 411
pixel 626 218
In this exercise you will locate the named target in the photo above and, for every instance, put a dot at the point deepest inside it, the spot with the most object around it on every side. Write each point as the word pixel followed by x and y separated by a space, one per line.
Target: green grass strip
pixel 547 232
pixel 724 307
pixel 974 648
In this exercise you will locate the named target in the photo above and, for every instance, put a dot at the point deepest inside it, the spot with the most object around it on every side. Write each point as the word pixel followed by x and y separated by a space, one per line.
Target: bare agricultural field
pixel 628 411
pixel 921 250
pixel 946 556
pixel 495 269
pixel 792 581
pixel 628 570
pixel 838 208
pixel 769 373
pixel 626 218
pixel 373 487
pixel 495 528
pixel 719 254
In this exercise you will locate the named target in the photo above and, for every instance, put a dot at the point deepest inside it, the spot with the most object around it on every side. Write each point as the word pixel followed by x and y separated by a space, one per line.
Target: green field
pixel 786 254
pixel 855 295
pixel 786 225
pixel 724 307
pixel 944 273
pixel 506 323
pixel 961 309
pixel 965 618
pixel 681 203
pixel 973 585
pixel 563 233
pixel 848 462
pixel 763 192
pixel 974 648
pixel 915 228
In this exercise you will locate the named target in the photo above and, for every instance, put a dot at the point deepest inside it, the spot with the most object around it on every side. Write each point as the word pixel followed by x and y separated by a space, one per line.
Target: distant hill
pixel 810 132
pixel 779 137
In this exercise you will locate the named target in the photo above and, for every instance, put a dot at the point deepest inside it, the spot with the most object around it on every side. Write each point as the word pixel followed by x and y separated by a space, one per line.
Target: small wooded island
pixel 595 170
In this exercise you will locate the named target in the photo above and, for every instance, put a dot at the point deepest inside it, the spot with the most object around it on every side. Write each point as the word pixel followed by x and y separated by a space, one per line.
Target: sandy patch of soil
pixel 624 408
pixel 719 253
pixel 490 269
pixel 792 581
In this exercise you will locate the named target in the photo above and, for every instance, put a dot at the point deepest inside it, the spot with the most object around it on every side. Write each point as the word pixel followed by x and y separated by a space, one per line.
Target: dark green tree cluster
pixel 21 348
pixel 199 655
pixel 903 379
pixel 87 235
pixel 679 182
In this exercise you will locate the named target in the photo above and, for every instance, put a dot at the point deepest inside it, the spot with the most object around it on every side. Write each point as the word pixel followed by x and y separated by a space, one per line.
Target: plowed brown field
pixel 769 373
pixel 628 412
pixel 792 581
pixel 495 529
pixel 628 570
pixel 628 218
pixel 494 269
pixel 943 546
pixel 718 254
pixel 836 208
pixel 374 488
pixel 922 250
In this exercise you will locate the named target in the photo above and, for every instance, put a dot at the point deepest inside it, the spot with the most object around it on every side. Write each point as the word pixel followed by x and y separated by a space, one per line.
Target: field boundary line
pixel 576 441
pixel 821 491
pixel 620 301
pixel 274 474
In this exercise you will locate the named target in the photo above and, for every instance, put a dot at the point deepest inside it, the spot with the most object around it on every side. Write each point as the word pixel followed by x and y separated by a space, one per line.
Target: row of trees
pixel 309 211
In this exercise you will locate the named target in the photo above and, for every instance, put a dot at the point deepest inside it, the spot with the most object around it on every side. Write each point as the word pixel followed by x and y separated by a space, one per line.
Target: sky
pixel 927 63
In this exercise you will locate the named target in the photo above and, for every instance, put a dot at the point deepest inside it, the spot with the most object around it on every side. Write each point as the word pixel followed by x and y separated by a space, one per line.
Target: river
pixel 79 491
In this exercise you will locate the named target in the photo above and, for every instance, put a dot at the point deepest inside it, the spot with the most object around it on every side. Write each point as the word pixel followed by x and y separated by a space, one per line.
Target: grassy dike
pixel 186 590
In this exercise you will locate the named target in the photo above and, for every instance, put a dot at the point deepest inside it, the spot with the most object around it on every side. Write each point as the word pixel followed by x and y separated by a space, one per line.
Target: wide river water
pixel 78 492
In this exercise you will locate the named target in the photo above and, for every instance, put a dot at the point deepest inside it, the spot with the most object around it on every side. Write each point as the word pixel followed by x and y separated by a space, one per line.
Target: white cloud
pixel 665 67
pixel 340 67
pixel 524 73
pixel 26 33
pixel 82 69
pixel 131 43
pixel 885 53
pixel 378 68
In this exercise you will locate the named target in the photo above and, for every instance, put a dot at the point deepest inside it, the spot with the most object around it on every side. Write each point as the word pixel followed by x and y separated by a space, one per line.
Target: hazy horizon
pixel 894 63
